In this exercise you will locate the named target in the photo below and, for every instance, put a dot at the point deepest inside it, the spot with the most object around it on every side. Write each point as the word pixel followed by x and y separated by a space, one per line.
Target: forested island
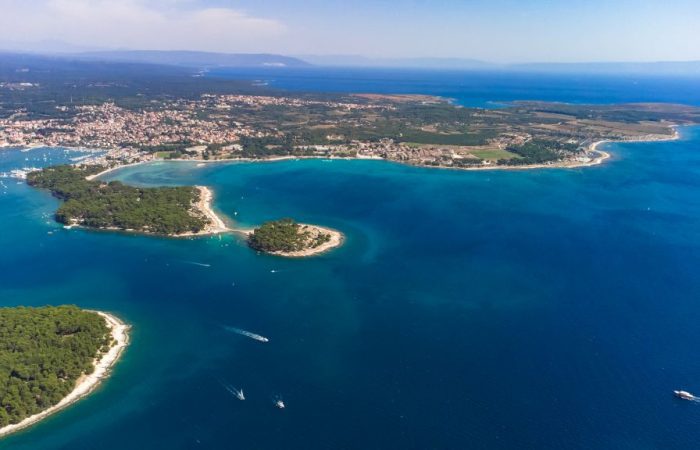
pixel 174 211
pixel 50 357
pixel 286 237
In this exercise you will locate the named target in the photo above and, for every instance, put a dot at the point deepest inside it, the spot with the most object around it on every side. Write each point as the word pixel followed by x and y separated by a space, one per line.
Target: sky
pixel 490 30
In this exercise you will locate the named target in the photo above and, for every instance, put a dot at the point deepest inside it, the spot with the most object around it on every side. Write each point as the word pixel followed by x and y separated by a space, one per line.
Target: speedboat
pixel 685 395
pixel 279 404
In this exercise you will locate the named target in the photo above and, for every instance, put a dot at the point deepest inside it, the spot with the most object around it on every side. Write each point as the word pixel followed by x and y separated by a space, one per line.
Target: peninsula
pixel 285 237
pixel 170 211
pixel 50 357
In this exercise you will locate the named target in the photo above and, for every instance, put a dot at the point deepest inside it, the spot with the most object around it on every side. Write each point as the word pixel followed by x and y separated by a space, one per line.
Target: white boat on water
pixel 280 404
pixel 685 395
pixel 238 393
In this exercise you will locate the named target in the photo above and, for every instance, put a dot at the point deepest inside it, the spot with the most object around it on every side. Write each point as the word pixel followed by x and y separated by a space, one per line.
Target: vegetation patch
pixel 43 352
pixel 493 154
pixel 538 151
pixel 114 205
pixel 286 236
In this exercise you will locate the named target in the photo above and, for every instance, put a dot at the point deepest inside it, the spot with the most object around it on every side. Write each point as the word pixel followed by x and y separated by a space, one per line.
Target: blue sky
pixel 496 30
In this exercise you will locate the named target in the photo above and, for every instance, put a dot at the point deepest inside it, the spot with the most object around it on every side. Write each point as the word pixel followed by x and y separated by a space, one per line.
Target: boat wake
pixel 245 333
pixel 194 263
pixel 238 393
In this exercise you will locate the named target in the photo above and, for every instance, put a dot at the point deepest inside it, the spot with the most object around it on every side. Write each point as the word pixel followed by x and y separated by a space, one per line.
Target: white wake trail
pixel 195 263
pixel 245 333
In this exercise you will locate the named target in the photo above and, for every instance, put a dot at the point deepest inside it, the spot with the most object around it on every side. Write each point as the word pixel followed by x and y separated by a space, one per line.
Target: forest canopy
pixel 43 352
pixel 286 236
pixel 97 204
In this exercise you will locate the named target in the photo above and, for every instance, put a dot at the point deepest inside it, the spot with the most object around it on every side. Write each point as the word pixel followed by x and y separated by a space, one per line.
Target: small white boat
pixel 238 393
pixel 279 404
pixel 685 395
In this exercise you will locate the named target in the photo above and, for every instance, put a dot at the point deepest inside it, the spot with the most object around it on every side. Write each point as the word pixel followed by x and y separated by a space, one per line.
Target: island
pixel 286 237
pixel 52 356
pixel 88 202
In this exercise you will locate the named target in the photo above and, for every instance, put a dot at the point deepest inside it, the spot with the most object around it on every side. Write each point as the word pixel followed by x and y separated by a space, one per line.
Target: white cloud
pixel 137 24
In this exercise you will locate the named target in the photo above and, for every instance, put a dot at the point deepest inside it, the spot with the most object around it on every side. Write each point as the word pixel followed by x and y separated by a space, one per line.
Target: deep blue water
pixel 544 309
pixel 480 89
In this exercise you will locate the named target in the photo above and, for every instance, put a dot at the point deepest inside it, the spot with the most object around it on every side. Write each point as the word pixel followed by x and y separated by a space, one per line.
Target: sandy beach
pixel 573 164
pixel 216 224
pixel 205 162
pixel 601 157
pixel 112 169
pixel 335 241
pixel 87 383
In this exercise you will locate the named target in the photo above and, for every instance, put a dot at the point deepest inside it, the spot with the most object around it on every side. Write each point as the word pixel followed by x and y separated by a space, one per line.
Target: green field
pixel 493 154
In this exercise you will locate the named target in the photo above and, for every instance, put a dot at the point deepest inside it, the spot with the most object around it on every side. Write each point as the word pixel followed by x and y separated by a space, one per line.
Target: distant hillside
pixel 64 79
pixel 194 59
pixel 189 60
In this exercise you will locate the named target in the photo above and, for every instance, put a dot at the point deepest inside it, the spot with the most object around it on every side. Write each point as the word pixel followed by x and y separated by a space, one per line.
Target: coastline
pixel 204 205
pixel 601 157
pixel 598 160
pixel 112 169
pixel 217 225
pixel 86 384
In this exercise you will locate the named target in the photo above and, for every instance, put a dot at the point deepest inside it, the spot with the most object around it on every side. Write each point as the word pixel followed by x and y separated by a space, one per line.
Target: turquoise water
pixel 540 309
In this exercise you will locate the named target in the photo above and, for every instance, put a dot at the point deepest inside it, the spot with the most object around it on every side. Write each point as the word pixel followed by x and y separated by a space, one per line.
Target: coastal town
pixel 418 130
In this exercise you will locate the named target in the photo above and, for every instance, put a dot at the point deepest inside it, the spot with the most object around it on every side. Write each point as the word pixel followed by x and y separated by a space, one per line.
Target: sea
pixel 539 309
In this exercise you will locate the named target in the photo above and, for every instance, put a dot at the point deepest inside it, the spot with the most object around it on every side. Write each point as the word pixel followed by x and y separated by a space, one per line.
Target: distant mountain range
pixel 211 60
pixel 194 59
pixel 208 60
pixel 190 59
